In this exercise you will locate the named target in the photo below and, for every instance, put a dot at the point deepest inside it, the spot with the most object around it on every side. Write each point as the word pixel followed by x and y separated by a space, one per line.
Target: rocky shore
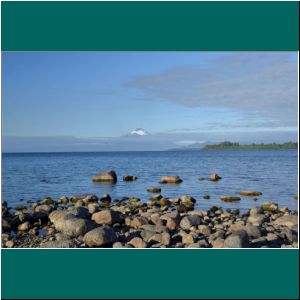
pixel 91 221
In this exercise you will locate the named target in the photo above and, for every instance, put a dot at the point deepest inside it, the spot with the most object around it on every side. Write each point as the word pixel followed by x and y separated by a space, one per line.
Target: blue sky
pixel 108 94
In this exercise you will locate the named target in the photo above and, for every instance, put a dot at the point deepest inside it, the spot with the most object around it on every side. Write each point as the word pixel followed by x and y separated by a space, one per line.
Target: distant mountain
pixel 138 132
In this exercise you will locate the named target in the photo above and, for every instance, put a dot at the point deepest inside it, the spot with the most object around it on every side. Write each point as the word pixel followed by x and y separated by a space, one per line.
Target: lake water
pixel 32 176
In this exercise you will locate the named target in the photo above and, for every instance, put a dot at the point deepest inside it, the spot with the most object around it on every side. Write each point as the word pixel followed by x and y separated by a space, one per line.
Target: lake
pixel 32 176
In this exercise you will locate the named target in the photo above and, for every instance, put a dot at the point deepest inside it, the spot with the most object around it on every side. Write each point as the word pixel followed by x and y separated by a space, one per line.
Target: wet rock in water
pixel 201 178
pixel 105 198
pixel 164 202
pixel 129 178
pixel 296 197
pixel 20 207
pixel 9 244
pixel 24 226
pixel 154 190
pixel 58 244
pixel 270 207
pixel 63 200
pixel 238 239
pixel 287 220
pixel 44 208
pixel 48 201
pixel 90 199
pixel 189 221
pixel 110 177
pixel 100 236
pixel 206 197
pixel 107 217
pixel 250 193
pixel 68 224
pixel 214 177
pixel 156 197
pixel 170 179
pixel 137 242
pixel 230 198
pixel 187 200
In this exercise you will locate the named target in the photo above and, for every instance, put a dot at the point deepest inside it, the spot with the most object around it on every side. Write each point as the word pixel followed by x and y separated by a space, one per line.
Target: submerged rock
pixel 250 193
pixel 154 190
pixel 129 178
pixel 230 198
pixel 110 176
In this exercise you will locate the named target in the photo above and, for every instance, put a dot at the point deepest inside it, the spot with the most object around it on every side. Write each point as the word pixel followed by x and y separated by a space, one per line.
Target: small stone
pixel 257 220
pixel 107 217
pixel 137 242
pixel 48 201
pixel 24 226
pixel 238 239
pixel 204 229
pixel 9 244
pixel 206 197
pixel 63 200
pixel 189 221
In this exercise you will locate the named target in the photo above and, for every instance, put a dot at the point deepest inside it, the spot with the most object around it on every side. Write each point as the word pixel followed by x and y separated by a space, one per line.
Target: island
pixel 237 146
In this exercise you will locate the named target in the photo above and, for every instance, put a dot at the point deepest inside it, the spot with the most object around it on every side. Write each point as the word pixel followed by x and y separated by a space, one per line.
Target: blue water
pixel 32 176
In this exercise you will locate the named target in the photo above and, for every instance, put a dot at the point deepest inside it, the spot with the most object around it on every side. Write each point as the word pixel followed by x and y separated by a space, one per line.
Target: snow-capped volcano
pixel 139 131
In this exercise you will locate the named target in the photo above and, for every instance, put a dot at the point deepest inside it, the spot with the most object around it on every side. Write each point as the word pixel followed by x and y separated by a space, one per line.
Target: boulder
pixel 189 221
pixel 257 219
pixel 129 178
pixel 287 220
pixel 63 200
pixel 137 242
pixel 250 193
pixel 48 201
pixel 24 226
pixel 170 179
pixel 68 224
pixel 270 207
pixel 107 217
pixel 99 237
pixel 57 244
pixel 154 190
pixel 230 198
pixel 44 208
pixel 110 176
pixel 187 200
pixel 214 177
pixel 238 239
pixel 204 229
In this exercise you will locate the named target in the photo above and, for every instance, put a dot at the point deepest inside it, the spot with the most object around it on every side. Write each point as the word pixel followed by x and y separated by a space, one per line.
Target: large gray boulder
pixel 110 176
pixel 99 237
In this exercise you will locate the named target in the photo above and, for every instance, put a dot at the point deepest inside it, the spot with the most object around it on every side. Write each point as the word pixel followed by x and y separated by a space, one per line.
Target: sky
pixel 92 99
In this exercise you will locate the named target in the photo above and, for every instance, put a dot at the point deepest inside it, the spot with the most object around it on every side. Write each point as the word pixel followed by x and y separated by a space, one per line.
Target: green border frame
pixel 159 273
pixel 150 26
